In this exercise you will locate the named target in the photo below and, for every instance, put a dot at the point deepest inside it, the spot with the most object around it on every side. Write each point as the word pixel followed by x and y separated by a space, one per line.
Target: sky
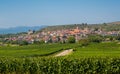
pixel 57 12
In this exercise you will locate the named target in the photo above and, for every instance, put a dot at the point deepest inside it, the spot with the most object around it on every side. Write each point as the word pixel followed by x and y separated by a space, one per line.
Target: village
pixel 60 35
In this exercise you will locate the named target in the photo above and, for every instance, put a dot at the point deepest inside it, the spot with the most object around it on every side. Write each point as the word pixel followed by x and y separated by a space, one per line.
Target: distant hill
pixel 105 26
pixel 113 26
pixel 118 22
pixel 62 27
pixel 14 30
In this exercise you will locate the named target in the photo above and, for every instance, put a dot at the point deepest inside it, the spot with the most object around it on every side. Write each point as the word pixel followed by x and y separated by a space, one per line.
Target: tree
pixel 13 42
pixel 84 42
pixel 118 38
pixel 95 38
pixel 36 42
pixel 42 41
pixel 23 43
pixel 71 39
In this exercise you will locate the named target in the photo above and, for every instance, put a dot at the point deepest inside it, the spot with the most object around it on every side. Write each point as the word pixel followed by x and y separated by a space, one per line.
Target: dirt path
pixel 65 52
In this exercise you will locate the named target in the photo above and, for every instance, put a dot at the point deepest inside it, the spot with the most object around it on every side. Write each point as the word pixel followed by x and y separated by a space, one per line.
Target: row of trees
pixel 94 39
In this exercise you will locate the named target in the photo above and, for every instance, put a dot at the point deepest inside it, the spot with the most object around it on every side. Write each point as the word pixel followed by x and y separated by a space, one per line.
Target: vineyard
pixel 60 66
pixel 110 49
pixel 95 58
pixel 33 50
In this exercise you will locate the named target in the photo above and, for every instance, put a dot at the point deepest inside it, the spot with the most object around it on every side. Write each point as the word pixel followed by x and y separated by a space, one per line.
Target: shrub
pixel 71 39
pixel 23 43
pixel 84 42
pixel 95 38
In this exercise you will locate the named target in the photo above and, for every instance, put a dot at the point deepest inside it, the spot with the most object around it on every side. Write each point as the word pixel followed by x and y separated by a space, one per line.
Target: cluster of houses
pixel 60 35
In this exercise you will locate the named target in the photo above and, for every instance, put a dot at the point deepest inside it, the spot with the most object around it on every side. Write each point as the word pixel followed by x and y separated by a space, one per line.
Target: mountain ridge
pixel 19 29
pixel 14 30
pixel 117 22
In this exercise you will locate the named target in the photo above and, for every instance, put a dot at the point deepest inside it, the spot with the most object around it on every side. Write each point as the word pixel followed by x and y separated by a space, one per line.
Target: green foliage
pixel 23 43
pixel 71 39
pixel 95 58
pixel 42 41
pixel 118 38
pixel 39 42
pixel 84 42
pixel 36 42
pixel 13 42
pixel 103 49
pixel 104 26
pixel 33 50
pixel 60 66
pixel 95 38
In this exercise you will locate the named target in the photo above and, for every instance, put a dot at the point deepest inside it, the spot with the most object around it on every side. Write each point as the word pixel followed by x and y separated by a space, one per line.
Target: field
pixel 33 50
pixel 95 58
pixel 108 49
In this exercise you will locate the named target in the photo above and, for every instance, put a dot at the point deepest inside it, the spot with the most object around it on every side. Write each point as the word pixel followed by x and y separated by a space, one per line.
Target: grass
pixel 81 61
pixel 33 50
pixel 110 49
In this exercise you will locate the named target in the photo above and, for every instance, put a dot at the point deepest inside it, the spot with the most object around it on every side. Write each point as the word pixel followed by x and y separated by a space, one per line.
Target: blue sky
pixel 56 12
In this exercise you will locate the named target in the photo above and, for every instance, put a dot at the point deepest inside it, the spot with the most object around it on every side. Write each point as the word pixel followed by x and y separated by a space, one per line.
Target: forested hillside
pixel 105 26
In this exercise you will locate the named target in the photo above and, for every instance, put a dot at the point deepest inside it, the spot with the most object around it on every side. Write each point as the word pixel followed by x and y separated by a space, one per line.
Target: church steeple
pixel 77 28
